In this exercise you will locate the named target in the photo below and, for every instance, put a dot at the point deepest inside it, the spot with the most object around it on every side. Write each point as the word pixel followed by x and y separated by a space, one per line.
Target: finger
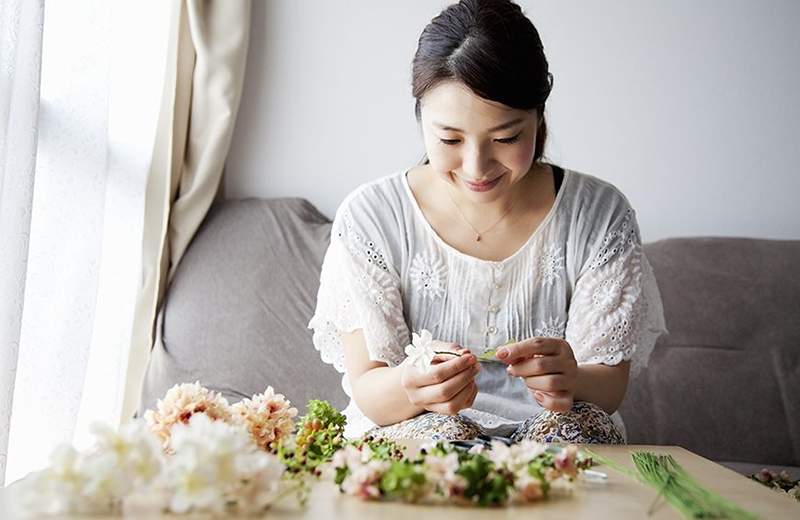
pixel 466 397
pixel 441 358
pixel 548 383
pixel 537 366
pixel 447 369
pixel 558 402
pixel 458 403
pixel 449 389
pixel 516 352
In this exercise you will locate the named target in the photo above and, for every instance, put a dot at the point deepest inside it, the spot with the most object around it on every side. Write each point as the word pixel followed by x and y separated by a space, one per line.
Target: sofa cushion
pixel 722 383
pixel 236 314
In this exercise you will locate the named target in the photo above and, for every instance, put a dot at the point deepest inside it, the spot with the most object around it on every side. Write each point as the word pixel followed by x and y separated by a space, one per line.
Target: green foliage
pixel 486 486
pixel 404 480
pixel 320 433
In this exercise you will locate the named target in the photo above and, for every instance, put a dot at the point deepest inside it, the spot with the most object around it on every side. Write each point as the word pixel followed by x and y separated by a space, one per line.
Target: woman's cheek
pixel 443 161
pixel 520 157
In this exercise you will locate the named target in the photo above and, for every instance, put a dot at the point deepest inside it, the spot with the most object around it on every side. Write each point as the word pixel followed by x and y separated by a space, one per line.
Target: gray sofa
pixel 721 383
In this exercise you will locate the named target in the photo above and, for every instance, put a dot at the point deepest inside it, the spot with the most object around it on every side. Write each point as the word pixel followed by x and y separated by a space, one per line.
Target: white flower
pixel 420 352
pixel 441 470
pixel 351 457
pixel 364 479
pixel 97 481
pixel 218 466
pixel 514 458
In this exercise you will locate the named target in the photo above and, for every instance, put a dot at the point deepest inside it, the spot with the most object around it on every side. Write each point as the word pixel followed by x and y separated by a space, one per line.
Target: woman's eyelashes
pixel 504 140
pixel 509 140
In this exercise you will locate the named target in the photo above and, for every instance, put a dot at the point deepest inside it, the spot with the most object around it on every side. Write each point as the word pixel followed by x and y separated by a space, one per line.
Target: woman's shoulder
pixel 376 198
pixel 594 197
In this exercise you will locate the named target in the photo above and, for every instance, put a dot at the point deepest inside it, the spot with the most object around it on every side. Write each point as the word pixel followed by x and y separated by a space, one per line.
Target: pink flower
pixel 269 417
pixel 179 405
pixel 565 461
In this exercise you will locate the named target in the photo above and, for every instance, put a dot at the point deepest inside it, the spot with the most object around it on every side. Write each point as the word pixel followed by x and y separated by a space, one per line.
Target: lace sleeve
pixel 616 314
pixel 358 290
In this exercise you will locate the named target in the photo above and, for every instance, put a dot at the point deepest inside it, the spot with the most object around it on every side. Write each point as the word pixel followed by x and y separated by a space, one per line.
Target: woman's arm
pixel 390 395
pixel 602 385
pixel 377 388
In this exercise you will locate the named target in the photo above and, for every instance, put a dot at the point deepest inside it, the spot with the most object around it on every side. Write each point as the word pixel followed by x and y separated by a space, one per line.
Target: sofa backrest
pixel 722 383
pixel 236 313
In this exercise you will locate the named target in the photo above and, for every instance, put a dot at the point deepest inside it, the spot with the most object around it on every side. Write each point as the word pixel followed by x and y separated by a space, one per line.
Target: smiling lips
pixel 483 186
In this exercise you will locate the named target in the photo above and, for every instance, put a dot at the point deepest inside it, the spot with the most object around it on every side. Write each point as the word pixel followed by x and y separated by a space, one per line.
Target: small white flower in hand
pixel 421 350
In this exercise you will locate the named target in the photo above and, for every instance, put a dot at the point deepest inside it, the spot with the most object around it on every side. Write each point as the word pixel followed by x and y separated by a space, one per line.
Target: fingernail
pixel 502 353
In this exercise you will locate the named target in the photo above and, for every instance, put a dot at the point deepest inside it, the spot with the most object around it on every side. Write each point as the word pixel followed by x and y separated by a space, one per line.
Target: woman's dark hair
pixel 491 47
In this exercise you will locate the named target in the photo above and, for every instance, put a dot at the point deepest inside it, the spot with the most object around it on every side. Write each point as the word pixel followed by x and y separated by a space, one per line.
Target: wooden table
pixel 620 497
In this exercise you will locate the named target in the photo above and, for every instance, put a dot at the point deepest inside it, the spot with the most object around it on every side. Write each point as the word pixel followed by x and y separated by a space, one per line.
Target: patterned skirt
pixel 586 423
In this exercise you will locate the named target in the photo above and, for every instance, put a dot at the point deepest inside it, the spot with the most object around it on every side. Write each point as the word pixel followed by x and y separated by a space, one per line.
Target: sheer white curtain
pixel 136 110
pixel 101 83
pixel 20 61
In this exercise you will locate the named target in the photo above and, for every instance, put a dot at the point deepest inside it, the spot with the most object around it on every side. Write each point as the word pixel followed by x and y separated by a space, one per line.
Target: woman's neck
pixel 515 201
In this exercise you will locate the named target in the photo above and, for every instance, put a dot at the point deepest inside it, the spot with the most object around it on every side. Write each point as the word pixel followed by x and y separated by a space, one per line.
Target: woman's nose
pixel 476 162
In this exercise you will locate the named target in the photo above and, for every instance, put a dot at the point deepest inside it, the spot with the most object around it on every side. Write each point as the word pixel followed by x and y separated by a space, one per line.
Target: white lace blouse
pixel 581 276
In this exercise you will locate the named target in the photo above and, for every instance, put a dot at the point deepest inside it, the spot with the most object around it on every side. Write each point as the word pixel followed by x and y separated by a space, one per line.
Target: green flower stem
pixel 686 495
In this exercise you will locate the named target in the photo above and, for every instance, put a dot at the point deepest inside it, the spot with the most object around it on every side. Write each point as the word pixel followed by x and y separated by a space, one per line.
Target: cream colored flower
pixel 180 404
pixel 420 352
pixel 441 470
pixel 269 417
pixel 217 468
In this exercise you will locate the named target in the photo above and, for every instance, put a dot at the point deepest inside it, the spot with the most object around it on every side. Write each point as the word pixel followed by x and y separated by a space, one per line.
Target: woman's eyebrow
pixel 504 126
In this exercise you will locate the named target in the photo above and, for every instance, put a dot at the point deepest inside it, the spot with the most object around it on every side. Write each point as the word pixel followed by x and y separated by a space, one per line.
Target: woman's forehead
pixel 451 105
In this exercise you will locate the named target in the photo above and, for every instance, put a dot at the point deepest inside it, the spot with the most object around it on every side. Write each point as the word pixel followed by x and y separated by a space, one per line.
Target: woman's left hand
pixel 548 367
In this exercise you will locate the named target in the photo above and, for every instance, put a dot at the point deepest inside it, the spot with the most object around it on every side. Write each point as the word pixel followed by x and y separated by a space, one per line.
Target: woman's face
pixel 482 148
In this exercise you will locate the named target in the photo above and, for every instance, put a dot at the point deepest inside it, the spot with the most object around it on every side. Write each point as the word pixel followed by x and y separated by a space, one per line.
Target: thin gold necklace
pixel 478 234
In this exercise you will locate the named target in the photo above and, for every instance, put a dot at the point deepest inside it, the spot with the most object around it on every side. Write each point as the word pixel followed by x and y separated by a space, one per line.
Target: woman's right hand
pixel 449 385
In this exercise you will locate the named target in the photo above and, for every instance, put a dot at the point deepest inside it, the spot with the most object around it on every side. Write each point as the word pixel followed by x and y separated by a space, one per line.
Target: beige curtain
pixel 203 86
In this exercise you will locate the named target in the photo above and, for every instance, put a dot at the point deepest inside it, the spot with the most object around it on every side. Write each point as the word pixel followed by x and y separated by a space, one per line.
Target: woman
pixel 483 246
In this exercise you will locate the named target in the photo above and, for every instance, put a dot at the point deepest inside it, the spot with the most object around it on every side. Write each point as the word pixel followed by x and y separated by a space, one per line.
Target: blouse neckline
pixel 427 225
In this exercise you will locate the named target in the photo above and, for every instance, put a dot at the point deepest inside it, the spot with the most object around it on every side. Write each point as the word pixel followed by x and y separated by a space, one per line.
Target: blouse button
pixel 496 285
pixel 493 308
pixel 492 330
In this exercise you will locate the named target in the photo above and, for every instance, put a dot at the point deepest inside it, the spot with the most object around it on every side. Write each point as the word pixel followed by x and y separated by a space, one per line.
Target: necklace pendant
pixel 478 237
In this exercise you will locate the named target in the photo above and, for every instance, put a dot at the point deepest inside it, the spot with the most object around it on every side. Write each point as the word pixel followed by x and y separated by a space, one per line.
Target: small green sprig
pixel 491 354
pixel 320 433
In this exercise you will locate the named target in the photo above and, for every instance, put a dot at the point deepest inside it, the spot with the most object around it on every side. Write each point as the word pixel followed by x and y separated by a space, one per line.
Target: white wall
pixel 691 108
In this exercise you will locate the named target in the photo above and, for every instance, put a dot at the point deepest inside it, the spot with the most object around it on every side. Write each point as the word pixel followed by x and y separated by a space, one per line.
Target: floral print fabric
pixel 586 423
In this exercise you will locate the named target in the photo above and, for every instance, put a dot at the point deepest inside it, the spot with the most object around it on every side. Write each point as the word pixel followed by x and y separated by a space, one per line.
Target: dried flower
pixel 179 405
pixel 269 417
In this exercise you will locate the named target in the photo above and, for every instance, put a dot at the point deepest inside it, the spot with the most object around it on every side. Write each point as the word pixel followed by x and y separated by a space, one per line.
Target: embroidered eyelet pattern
pixel 551 328
pixel 607 327
pixel 552 264
pixel 362 245
pixel 428 275
pixel 616 241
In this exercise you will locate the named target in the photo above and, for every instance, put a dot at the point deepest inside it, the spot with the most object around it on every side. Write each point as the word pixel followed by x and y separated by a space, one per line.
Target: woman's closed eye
pixel 504 140
pixel 509 140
